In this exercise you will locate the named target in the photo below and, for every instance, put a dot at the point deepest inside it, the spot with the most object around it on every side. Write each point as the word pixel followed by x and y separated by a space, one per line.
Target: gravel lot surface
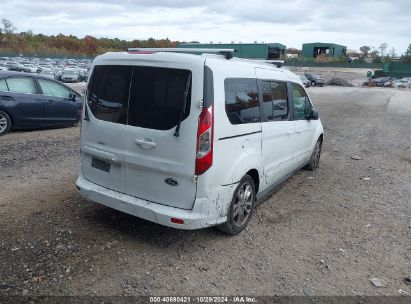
pixel 326 232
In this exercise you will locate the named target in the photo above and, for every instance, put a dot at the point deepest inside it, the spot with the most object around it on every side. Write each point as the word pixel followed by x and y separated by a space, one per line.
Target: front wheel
pixel 5 123
pixel 315 156
pixel 241 207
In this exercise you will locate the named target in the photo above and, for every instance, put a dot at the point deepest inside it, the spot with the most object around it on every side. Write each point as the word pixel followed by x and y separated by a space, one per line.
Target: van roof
pixel 116 57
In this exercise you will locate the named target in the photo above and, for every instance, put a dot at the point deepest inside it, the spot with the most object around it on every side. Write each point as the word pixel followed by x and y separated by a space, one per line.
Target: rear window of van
pixel 146 97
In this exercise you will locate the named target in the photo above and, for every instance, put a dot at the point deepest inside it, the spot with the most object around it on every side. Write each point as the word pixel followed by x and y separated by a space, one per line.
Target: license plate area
pixel 100 164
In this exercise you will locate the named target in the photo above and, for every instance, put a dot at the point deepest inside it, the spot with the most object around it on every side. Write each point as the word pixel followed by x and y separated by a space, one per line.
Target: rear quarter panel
pixel 233 155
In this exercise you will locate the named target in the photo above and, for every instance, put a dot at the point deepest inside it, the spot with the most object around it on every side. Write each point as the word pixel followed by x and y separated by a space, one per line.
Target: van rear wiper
pixel 183 111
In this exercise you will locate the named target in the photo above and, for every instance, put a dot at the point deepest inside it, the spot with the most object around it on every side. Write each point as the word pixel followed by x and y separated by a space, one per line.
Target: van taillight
pixel 204 156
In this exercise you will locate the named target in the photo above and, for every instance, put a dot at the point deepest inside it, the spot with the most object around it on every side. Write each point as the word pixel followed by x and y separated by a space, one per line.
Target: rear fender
pixel 245 162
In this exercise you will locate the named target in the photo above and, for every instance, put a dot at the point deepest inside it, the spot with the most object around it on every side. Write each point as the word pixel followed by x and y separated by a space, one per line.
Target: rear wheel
pixel 315 156
pixel 5 123
pixel 241 207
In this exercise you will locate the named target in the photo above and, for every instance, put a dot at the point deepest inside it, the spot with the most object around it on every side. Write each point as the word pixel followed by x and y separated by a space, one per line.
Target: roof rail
pixel 228 53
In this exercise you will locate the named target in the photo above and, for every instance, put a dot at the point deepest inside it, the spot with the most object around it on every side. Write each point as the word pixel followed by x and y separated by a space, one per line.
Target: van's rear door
pixel 160 166
pixel 103 130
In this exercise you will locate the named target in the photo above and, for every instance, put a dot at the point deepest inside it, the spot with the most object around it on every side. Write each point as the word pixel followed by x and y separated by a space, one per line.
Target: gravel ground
pixel 323 233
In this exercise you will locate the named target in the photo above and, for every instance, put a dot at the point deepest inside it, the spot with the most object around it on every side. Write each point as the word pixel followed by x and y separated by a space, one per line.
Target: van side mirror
pixel 307 107
pixel 72 96
pixel 314 115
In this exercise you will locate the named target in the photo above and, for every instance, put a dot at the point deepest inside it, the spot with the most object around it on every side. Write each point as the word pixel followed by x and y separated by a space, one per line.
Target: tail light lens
pixel 205 134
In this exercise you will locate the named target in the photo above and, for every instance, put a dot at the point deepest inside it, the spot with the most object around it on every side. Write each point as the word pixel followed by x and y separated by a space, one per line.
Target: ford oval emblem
pixel 171 181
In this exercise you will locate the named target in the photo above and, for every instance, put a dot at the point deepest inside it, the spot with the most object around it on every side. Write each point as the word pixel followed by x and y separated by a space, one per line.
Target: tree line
pixel 382 54
pixel 31 44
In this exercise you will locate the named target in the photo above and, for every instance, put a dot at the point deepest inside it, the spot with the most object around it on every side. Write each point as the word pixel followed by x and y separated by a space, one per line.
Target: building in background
pixel 313 50
pixel 267 51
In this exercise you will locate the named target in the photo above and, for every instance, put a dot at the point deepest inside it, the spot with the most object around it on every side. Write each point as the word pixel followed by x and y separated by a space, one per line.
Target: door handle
pixel 299 131
pixel 6 98
pixel 49 101
pixel 146 143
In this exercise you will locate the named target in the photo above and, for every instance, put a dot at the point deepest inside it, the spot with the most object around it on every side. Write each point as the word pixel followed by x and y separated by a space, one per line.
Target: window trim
pixel 289 101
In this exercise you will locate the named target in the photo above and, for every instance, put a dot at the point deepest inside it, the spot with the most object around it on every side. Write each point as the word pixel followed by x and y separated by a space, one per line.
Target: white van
pixel 191 141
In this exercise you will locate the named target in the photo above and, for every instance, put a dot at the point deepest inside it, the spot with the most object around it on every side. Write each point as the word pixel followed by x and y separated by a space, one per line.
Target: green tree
pixel 377 59
pixel 382 48
pixel 7 27
pixel 365 50
pixel 407 55
pixel 408 51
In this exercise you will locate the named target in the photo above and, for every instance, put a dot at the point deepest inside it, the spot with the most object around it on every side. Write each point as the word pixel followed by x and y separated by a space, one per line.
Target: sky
pixel 291 22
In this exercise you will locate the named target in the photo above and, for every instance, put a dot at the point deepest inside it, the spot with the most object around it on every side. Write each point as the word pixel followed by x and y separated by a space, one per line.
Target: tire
pixel 315 156
pixel 239 213
pixel 5 123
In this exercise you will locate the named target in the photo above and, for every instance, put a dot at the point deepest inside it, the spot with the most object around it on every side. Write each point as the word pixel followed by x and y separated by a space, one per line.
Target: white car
pixel 47 73
pixel 31 68
pixel 402 83
pixel 191 141
pixel 71 75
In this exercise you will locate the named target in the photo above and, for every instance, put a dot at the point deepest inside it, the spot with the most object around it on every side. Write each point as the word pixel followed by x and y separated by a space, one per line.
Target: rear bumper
pixel 205 213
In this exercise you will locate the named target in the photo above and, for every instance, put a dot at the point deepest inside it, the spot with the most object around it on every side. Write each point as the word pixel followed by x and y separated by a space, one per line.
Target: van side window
pixel 157 97
pixel 300 102
pixel 275 100
pixel 108 92
pixel 241 100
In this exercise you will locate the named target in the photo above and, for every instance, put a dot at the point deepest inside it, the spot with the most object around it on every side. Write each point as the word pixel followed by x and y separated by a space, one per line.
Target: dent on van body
pixel 248 157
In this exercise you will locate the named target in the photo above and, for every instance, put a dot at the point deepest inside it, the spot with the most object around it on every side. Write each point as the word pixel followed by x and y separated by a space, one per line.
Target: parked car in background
pixel 315 79
pixel 384 81
pixel 14 66
pixel 402 83
pixel 83 74
pixel 49 73
pixel 305 81
pixel 58 71
pixel 71 75
pixel 31 68
pixel 33 101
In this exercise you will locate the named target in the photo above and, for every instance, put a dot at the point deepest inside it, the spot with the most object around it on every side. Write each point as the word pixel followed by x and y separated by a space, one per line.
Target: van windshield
pixel 146 97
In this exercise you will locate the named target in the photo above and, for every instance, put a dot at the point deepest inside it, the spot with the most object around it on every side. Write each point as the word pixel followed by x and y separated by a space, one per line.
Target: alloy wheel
pixel 243 204
pixel 3 123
